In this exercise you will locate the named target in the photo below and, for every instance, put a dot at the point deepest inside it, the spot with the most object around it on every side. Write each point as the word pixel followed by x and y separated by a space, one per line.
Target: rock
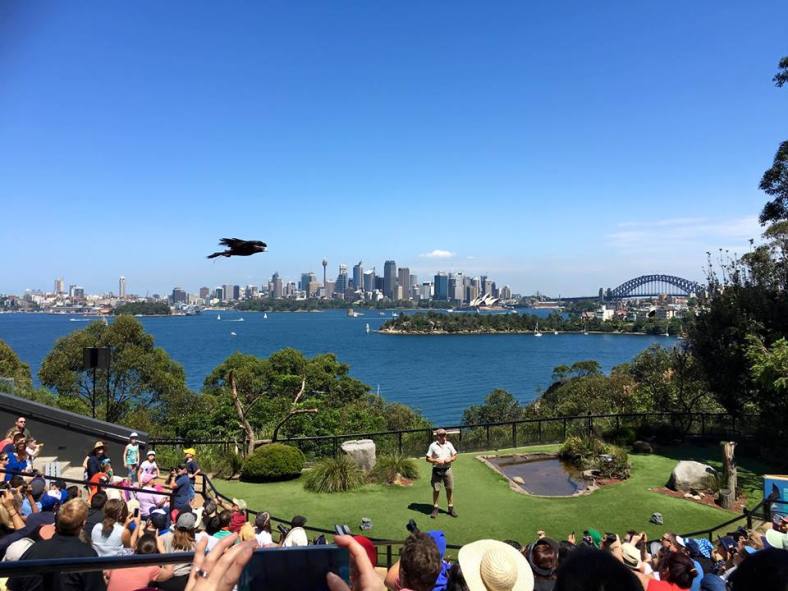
pixel 693 476
pixel 362 451
pixel 518 480
pixel 642 447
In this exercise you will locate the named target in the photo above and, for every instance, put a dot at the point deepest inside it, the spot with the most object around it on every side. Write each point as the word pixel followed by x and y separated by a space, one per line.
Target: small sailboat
pixel 366 328
pixel 232 334
pixel 241 319
pixel 394 314
pixel 218 317
pixel 536 331
pixel 265 316
pixel 555 332
pixel 667 334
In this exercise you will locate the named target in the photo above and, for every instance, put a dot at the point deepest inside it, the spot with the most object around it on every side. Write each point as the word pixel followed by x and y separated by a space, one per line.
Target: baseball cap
pixel 134 434
pixel 186 520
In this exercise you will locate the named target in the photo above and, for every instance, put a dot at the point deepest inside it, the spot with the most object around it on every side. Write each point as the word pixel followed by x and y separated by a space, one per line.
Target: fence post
pixel 564 437
pixel 514 434
pixel 389 563
pixel 590 424
pixel 336 446
pixel 703 424
pixel 487 430
pixel 399 442
pixel 539 430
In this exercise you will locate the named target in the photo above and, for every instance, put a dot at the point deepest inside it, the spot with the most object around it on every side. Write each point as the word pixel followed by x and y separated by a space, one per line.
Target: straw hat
pixel 240 503
pixel 490 565
pixel 630 555
pixel 98 444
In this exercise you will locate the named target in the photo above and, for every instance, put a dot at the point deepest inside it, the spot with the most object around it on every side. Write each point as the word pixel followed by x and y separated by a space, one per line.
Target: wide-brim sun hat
pixel 134 434
pixel 190 451
pixel 630 555
pixel 777 539
pixel 98 445
pixel 241 503
pixel 490 565
pixel 151 452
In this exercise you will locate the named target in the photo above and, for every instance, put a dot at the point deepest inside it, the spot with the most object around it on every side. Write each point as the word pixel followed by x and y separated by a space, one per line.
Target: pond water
pixel 546 476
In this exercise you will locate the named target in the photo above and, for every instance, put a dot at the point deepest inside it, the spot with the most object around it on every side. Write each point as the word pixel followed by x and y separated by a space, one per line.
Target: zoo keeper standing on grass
pixel 441 454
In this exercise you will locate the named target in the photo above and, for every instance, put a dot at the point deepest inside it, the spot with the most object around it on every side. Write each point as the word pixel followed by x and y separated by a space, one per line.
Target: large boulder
pixel 362 452
pixel 693 476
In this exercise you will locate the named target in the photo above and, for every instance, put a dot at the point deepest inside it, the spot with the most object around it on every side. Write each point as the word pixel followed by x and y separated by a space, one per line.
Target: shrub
pixel 273 462
pixel 389 465
pixel 614 463
pixel 332 475
pixel 580 450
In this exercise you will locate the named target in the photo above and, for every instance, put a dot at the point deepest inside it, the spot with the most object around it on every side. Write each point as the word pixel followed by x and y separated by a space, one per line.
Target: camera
pixel 283 529
pixel 411 526
pixel 342 530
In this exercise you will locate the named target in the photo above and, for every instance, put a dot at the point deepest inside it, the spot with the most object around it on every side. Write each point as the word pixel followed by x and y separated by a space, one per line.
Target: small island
pixel 143 309
pixel 438 323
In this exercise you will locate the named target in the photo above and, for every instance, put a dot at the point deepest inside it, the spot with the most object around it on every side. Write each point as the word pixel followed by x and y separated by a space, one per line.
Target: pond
pixel 543 475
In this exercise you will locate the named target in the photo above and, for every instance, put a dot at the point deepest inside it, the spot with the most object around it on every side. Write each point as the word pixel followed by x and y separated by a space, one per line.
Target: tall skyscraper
pixel 277 289
pixel 60 286
pixel 358 276
pixel 369 281
pixel 236 292
pixel 403 280
pixel 122 288
pixel 179 295
pixel 305 279
pixel 341 283
pixel 441 287
pixel 390 280
pixel 204 293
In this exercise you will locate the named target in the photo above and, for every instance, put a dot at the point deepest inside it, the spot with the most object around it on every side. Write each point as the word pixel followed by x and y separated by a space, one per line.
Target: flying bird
pixel 239 248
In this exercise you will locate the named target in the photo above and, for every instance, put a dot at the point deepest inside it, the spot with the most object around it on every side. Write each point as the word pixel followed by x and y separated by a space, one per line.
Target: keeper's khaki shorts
pixel 447 478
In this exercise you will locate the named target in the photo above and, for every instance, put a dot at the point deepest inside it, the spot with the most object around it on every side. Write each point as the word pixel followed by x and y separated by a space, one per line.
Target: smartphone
pixel 137 512
pixel 302 568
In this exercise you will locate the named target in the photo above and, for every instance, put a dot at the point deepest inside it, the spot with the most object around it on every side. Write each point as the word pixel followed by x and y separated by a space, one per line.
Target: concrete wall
pixel 65 434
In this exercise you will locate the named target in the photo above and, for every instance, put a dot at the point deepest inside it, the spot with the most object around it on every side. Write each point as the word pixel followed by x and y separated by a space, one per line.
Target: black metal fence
pixel 414 442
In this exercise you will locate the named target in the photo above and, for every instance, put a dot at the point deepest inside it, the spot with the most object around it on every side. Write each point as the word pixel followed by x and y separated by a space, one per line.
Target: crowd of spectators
pixel 146 511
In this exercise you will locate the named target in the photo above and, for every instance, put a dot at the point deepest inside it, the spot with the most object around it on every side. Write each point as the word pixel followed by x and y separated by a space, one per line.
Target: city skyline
pixel 553 148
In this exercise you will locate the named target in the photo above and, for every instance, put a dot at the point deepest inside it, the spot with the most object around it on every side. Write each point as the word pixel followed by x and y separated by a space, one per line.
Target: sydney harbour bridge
pixel 649 286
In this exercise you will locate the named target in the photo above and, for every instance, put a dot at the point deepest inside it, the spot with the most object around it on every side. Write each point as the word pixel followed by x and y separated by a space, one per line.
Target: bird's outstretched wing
pixel 232 242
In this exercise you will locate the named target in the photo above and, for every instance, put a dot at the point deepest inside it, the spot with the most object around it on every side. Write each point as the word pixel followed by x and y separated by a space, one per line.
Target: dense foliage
pixel 271 463
pixel 333 475
pixel 142 377
pixel 13 373
pixel 144 308
pixel 472 323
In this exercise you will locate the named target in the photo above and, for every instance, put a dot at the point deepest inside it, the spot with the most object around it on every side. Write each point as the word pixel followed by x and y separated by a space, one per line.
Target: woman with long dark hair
pixel 114 536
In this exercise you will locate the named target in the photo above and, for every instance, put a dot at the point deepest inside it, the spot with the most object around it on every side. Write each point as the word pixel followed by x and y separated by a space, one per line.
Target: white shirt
pixel 437 451
pixel 296 537
pixel 264 539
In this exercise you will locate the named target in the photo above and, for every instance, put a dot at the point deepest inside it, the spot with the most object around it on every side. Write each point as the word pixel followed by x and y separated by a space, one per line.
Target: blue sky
pixel 556 146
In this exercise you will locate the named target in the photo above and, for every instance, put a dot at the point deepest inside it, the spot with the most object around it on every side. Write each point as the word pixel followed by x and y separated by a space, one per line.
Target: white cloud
pixel 438 254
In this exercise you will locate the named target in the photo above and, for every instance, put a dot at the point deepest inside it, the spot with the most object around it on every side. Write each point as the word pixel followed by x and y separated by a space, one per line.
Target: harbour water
pixel 440 375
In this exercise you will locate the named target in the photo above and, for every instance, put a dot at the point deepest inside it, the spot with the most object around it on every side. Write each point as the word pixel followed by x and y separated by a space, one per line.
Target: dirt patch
pixel 707 499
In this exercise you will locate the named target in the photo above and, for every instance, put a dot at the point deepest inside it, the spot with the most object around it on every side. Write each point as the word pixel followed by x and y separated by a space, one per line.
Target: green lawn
pixel 488 508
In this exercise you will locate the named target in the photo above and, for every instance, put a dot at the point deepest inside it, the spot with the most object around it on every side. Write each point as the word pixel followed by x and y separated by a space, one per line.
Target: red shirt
pixel 237 521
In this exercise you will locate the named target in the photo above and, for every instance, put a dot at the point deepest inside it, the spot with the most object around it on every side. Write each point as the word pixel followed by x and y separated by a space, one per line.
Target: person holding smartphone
pixel 441 454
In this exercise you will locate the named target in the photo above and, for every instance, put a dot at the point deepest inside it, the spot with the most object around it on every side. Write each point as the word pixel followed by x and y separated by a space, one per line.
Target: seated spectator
pixel 490 564
pixel 587 569
pixel 224 519
pixel 182 539
pixel 33 492
pixel 103 476
pixel 440 542
pixel 766 570
pixel 419 564
pixel 262 526
pixel 114 535
pixel 59 490
pixel 65 543
pixel 238 515
pixel 247 533
pixel 138 577
pixel 49 506
pixel 149 500
pixel 159 521
pixel 542 557
pixel 676 571
pixel 297 535
pixel 18 460
pixel 96 511
pixel 11 519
